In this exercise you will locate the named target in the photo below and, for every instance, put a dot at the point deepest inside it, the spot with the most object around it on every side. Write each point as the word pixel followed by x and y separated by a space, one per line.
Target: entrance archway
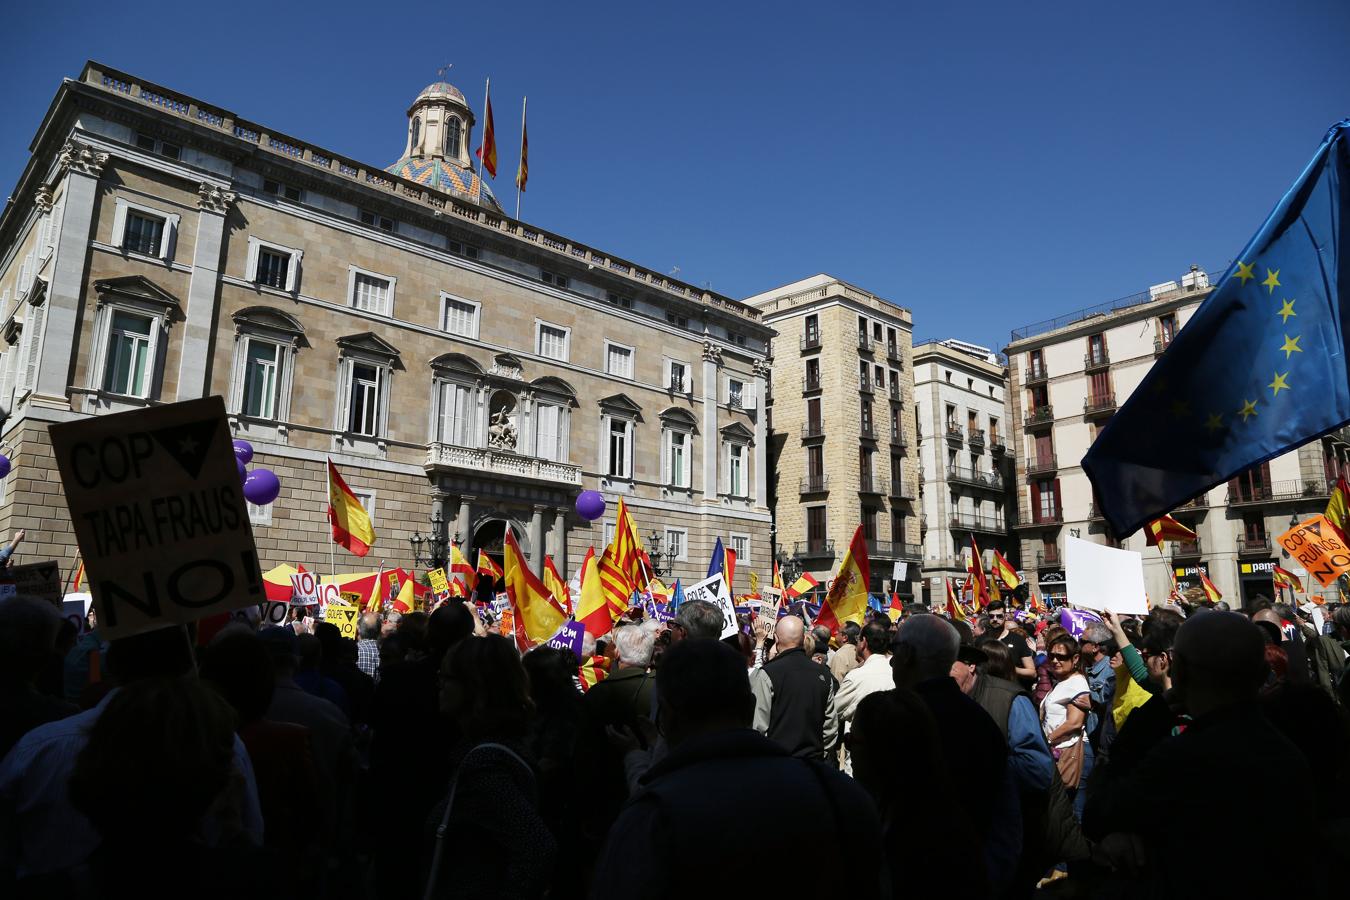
pixel 489 535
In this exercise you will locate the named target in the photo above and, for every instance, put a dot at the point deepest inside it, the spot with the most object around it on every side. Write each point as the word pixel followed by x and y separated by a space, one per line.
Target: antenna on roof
pixel 440 73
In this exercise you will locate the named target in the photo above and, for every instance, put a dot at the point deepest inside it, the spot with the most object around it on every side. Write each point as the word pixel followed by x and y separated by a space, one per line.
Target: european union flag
pixel 1258 370
pixel 718 562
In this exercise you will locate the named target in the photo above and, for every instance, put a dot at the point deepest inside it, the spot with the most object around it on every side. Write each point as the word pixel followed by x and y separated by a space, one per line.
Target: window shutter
pixel 170 237
pixel 748 396
pixel 546 431
pixel 345 395
pixel 120 224
pixel 293 270
pixel 1059 501
pixel 1035 501
pixel 35 320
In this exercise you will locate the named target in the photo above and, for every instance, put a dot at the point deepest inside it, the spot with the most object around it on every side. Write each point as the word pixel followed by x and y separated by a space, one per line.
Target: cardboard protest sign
pixel 439 583
pixel 569 637
pixel 274 612
pixel 1317 546
pixel 304 589
pixel 1101 577
pixel 343 616
pixel 41 580
pixel 715 591
pixel 353 598
pixel 158 510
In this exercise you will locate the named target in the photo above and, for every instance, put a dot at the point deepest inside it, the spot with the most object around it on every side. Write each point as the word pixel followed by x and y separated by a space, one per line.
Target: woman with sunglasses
pixel 1064 717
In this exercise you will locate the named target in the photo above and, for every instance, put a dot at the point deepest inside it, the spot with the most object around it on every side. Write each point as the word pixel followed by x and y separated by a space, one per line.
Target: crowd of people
pixel 1192 751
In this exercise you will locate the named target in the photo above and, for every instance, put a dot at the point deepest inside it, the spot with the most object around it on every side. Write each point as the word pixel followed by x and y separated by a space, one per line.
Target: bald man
pixel 1187 798
pixel 794 696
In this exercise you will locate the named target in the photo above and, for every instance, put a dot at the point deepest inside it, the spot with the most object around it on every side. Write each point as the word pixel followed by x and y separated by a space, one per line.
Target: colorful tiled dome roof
pixel 440 175
pixel 442 89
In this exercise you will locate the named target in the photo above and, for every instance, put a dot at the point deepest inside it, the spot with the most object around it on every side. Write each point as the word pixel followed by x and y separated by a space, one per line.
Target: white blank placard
pixel 1100 577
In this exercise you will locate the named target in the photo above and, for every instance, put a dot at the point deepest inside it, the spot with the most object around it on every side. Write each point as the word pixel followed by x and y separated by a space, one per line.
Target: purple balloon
pixel 4 465
pixel 261 487
pixel 243 469
pixel 243 451
pixel 590 505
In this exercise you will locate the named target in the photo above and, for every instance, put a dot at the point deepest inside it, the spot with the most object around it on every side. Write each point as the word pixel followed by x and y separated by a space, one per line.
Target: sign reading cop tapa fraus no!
pixel 158 510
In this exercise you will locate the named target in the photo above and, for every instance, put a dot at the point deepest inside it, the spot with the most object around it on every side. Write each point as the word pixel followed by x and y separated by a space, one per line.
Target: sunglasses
pixel 1062 657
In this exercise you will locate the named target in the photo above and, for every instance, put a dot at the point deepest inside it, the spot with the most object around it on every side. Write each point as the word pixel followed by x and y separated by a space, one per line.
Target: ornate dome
pixel 440 175
pixel 441 89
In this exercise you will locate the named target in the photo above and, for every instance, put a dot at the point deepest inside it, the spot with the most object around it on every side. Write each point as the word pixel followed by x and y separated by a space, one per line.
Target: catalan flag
pixel 349 519
pixel 488 152
pixel 488 566
pixel 537 616
pixel 592 672
pixel 1212 593
pixel 617 585
pixel 1004 572
pixel 847 598
pixel 592 610
pixel 1167 529
pixel 557 587
pixel 803 585
pixel 627 545
pixel 523 170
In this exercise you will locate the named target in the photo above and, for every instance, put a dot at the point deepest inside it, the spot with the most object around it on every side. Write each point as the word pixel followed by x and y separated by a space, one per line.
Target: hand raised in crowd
pixel 18 537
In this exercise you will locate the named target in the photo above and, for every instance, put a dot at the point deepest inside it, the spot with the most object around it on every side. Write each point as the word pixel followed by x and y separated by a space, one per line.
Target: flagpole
pixel 482 141
pixel 523 101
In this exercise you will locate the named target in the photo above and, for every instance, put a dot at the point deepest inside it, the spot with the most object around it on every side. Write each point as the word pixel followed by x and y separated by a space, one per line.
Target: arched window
pixel 451 136
pixel 417 134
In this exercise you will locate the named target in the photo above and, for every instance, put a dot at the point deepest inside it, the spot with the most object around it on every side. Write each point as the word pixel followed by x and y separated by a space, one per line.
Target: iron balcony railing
pixel 975 477
pixel 1099 404
pixel 1277 492
pixel 1098 360
pixel 815 484
pixel 813 429
pixel 981 522
pixel 1041 415
pixel 1250 546
pixel 810 342
pixel 1041 465
pixel 809 549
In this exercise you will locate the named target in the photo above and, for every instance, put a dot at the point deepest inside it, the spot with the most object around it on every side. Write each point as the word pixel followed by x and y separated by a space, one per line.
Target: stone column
pixel 537 540
pixel 65 292
pixel 712 361
pixel 560 540
pixel 462 523
pixel 761 434
pixel 213 203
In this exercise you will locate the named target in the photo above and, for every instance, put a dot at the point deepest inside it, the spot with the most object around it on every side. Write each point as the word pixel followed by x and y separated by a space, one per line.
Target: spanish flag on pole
pixel 536 615
pixel 557 588
pixel 953 604
pixel 1167 529
pixel 847 599
pixel 803 585
pixel 350 521
pixel 592 610
pixel 461 572
pixel 488 566
pixel 976 569
pixel 1005 573
pixel 1211 592
pixel 1338 508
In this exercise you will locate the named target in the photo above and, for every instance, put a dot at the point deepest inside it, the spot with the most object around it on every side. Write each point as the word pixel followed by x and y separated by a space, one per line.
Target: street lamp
pixel 788 567
pixel 433 549
pixel 661 559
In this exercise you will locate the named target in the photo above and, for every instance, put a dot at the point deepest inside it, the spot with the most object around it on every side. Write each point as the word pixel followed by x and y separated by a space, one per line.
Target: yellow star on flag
pixel 1181 408
pixel 1272 280
pixel 1286 310
pixel 1245 273
pixel 1279 384
pixel 1248 409
pixel 1291 346
pixel 1214 423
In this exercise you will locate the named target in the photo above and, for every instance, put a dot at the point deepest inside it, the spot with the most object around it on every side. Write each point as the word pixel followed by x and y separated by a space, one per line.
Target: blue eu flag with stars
pixel 1258 370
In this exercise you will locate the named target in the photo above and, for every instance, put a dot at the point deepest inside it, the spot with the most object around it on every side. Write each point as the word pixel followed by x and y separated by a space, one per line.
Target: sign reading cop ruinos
pixel 158 509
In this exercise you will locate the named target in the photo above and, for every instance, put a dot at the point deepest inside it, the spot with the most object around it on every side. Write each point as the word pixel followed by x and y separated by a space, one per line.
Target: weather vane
pixel 440 73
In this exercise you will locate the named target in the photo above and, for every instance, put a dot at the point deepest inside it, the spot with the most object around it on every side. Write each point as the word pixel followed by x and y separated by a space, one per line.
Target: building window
pixel 736 481
pixel 263 362
pixel 272 265
pixel 869 523
pixel 550 432
pixel 370 292
pixel 552 341
pixel 1035 364
pixel 163 148
pixel 677 458
pixel 812 375
pixel 618 451
pixel 547 277
pixel 677 544
pixel 468 251
pixel 455 412
pixel 375 220
pixel 677 376
pixel 452 136
pixel 259 515
pixel 895 425
pixel 610 528
pixel 815 524
pixel 618 360
pixel 416 133
pixel 619 300
pixel 866 422
pixel 1167 329
pixel 128 367
pixel 142 230
pixel 815 461
pixel 460 317
pixel 1097 349
pixel 736 338
pixel 993 430
pixel 740 545
pixel 281 189
pixel 812 329
pixel 735 393
pixel 364 407
pixel 813 421
pixel 677 321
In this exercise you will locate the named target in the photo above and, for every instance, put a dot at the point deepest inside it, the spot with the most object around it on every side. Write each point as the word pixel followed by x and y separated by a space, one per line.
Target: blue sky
pixel 987 164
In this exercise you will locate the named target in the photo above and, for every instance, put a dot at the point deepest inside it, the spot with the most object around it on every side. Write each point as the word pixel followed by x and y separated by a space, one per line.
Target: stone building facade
pixel 842 410
pixel 456 364
pixel 960 403
pixel 1067 377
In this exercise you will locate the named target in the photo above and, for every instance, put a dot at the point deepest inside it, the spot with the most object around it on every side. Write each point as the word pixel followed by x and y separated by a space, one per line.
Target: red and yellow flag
pixel 1167 529
pixel 803 585
pixel 488 152
pixel 79 579
pixel 954 608
pixel 592 610
pixel 1212 593
pixel 488 566
pixel 536 615
pixel 1338 508
pixel 592 672
pixel 557 587
pixel 847 599
pixel 976 569
pixel 627 546
pixel 1004 572
pixel 777 577
pixel 350 521
pixel 896 609
pixel 617 585
pixel 523 171
pixel 461 572
pixel 1286 579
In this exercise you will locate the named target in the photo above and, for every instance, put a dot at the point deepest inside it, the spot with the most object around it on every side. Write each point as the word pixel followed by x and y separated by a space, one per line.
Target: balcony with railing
pixel 810 384
pixel 1049 559
pixel 1248 545
pixel 864 343
pixel 864 383
pixel 453 458
pixel 1100 404
pixel 1160 345
pixel 975 437
pixel 812 429
pixel 679 384
pixel 898 441
pixel 815 484
pixel 1095 360
pixel 1042 465
pixel 894 389
pixel 1095 513
pixel 1186 549
pixel 955 436
pixel 814 549
pixel 1040 416
pixel 903 490
pixel 867 431
pixel 810 341
pixel 1277 492
pixel 1039 516
pixel 1035 375
pixel 868 484
pixel 893 353
pixel 981 522
pixel 974 477
pixel 996 444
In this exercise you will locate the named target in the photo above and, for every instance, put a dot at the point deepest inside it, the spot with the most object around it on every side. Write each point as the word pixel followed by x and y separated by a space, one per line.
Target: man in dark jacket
pixel 696 793
pixel 794 696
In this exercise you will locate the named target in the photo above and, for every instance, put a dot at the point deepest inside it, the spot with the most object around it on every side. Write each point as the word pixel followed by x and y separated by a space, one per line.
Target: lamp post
pixel 661 558
pixel 433 549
